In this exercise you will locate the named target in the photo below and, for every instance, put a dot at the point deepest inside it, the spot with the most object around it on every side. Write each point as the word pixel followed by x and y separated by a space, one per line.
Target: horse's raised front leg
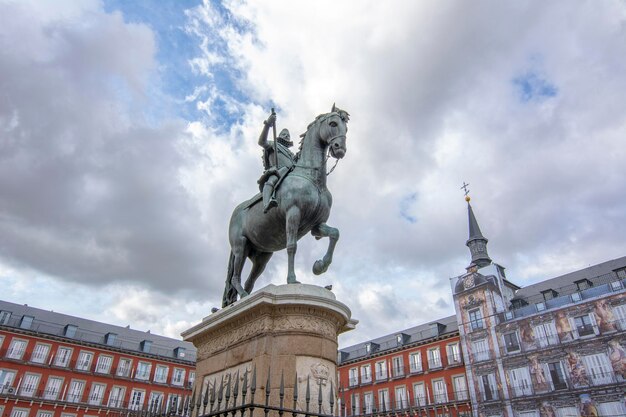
pixel 293 223
pixel 320 231
pixel 239 251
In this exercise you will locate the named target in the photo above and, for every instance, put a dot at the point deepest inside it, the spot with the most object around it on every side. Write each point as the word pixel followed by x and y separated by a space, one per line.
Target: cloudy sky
pixel 128 134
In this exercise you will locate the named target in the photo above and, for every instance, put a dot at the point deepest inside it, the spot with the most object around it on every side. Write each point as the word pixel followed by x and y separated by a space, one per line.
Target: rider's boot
pixel 269 201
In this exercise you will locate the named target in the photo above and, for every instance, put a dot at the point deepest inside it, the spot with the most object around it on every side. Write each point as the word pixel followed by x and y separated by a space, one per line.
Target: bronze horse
pixel 303 206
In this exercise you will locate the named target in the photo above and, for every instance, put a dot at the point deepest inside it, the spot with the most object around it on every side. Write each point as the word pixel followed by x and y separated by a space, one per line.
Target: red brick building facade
pixel 419 369
pixel 55 365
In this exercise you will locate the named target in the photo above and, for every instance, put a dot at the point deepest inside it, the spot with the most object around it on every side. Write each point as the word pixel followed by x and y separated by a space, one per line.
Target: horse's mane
pixel 343 115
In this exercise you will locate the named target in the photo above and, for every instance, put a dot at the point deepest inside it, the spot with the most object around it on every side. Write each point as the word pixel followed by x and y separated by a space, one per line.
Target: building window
pixel 434 358
pixel 75 392
pixel 179 352
pixel 480 350
pixel 476 319
pixel 567 412
pixel 381 370
pixel 136 399
pixel 454 354
pixel 383 400
pixel 84 361
pixel 460 388
pixel 531 413
pixel 123 367
pixel 43 413
pixel 398 366
pixel 356 405
pixel 179 376
pixel 488 387
pixel 401 398
pixel 615 408
pixel 145 346
pixel 70 330
pixel 29 385
pixel 420 394
pixel 110 338
pixel 63 357
pixel 97 394
pixel 549 294
pixel 16 349
pixel 415 361
pixel 103 366
pixel 6 381
pixel 27 322
pixel 546 335
pixel 440 394
pixel 4 317
pixel 53 387
pixel 160 375
pixel 366 374
pixel 154 403
pixel 584 326
pixel 520 382
pixel 116 397
pixel 583 284
pixel 556 375
pixel 620 315
pixel 143 371
pixel 511 342
pixel 368 402
pixel 19 412
pixel 192 378
pixel 354 377
pixel 40 353
pixel 599 369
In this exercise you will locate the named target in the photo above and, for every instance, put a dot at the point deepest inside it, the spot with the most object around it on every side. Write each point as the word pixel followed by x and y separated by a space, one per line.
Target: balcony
pixel 454 360
pixel 434 363
pixel 381 376
pixel 482 355
pixel 416 368
pixel 398 372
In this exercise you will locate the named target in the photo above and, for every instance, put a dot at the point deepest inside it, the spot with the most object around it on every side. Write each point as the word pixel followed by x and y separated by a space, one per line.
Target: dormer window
pixel 549 294
pixel 368 348
pixel 26 322
pixel 583 284
pixel 145 346
pixel 621 273
pixel 518 303
pixel 4 317
pixel 110 338
pixel 179 352
pixel 70 330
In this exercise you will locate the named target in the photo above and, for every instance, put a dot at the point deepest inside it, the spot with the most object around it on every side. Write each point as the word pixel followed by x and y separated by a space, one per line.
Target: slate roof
pixel 565 284
pixel 90 331
pixel 412 336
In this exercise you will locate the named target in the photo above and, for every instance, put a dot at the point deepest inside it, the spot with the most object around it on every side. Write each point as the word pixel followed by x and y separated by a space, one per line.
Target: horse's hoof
pixel 319 267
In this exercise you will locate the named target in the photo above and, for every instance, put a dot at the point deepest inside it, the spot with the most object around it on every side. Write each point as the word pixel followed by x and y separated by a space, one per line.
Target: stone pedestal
pixel 289 330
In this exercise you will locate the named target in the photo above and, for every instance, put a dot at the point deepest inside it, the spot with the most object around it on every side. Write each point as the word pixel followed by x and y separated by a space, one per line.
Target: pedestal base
pixel 286 332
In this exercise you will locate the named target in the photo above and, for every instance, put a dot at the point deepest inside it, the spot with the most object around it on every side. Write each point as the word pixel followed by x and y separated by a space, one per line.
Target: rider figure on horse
pixel 276 166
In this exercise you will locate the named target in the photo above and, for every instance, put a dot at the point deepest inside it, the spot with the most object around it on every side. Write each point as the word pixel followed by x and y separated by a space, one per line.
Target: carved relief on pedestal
pixel 319 373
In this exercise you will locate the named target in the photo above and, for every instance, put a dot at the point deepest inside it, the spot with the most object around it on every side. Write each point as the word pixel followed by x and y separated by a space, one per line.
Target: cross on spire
pixel 465 189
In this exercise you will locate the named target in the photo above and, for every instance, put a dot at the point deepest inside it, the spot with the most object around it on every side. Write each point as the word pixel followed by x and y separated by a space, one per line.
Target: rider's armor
pixel 273 171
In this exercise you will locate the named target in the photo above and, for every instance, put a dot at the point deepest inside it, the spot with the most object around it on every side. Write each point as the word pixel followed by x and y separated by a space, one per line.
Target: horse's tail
pixel 230 294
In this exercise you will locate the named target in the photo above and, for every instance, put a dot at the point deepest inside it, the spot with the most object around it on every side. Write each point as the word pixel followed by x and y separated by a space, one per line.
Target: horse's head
pixel 332 128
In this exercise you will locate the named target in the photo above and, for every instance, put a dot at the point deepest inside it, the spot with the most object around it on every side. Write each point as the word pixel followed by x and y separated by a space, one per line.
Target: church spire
pixel 476 242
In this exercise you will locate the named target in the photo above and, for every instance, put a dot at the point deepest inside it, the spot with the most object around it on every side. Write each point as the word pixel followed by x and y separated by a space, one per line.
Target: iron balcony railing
pixel 377 406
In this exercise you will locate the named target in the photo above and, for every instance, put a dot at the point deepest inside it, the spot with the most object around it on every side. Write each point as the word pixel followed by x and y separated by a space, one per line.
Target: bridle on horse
pixel 330 142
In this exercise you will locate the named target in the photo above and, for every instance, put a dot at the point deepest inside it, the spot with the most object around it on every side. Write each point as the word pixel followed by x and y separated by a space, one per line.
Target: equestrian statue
pixel 293 201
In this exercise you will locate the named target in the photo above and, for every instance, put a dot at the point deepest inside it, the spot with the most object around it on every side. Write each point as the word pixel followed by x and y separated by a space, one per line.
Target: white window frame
pixel 397 364
pixel 521 383
pixel 353 377
pixel 493 387
pixel 51 392
pixel 7 378
pixel 161 377
pixel 454 358
pixel 137 399
pixel 178 380
pixel 75 391
pixel 415 361
pixel 20 412
pixel 567 412
pixel 401 397
pixel 15 352
pixel 103 364
pixel 546 334
pixel 619 312
pixel 613 408
pixel 460 389
pixel 96 394
pixel 381 370
pixel 29 385
pixel 419 394
pixel 384 402
pixel 84 361
pixel 368 402
pixel 434 360
pixel 599 369
pixel 40 354
pixel 480 350
pixel 366 373
pixel 512 349
pixel 143 371
pixel 63 361
pixel 116 396
pixel 126 370
pixel 155 396
pixel 477 323
pixel 45 413
pixel 440 391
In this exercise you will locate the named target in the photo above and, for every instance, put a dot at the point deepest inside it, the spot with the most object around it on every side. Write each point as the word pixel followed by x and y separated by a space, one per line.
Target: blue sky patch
pixel 406 204
pixel 533 86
